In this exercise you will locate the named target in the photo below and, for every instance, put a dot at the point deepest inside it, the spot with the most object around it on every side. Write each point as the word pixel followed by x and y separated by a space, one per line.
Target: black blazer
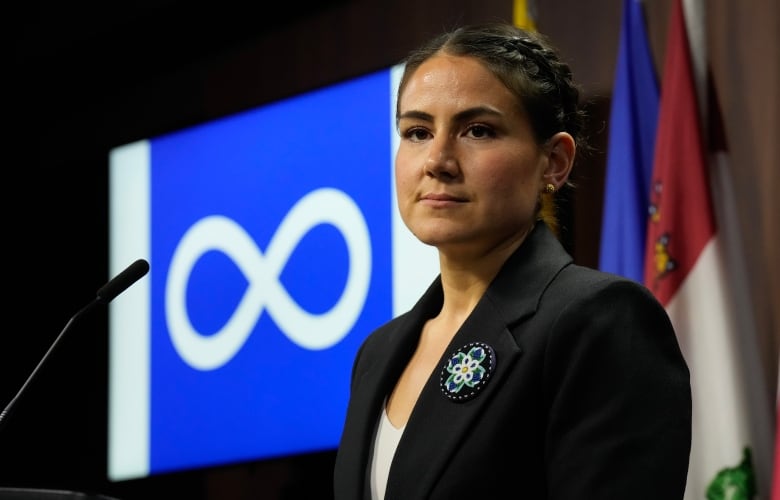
pixel 589 397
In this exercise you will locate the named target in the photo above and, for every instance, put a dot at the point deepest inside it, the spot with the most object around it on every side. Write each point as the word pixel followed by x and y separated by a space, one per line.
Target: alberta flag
pixel 687 266
pixel 633 123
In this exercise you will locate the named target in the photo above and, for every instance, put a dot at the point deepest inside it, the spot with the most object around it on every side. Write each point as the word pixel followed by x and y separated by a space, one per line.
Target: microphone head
pixel 122 281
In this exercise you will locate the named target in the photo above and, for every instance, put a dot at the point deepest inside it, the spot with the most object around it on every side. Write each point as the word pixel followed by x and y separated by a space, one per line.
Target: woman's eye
pixel 480 131
pixel 416 134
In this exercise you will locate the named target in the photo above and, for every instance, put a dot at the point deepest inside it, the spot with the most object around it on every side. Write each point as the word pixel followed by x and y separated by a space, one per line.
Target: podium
pixel 42 494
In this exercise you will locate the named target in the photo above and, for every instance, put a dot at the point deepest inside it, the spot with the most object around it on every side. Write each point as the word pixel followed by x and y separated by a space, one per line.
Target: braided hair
pixel 530 67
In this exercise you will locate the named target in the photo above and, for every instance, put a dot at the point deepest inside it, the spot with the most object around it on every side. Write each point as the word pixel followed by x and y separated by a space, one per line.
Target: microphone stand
pixel 105 294
pixel 4 414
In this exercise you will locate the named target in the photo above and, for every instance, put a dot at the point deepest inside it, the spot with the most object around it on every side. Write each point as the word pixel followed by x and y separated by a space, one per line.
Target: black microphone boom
pixel 105 294
pixel 122 281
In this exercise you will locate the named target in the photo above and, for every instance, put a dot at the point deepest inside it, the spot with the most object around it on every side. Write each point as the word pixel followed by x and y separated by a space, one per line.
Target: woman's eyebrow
pixel 461 116
pixel 415 115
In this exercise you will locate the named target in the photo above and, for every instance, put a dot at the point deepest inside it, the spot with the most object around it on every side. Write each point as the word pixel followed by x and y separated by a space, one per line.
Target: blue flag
pixel 632 130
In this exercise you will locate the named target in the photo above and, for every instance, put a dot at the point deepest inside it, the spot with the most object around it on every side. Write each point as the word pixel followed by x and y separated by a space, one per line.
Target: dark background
pixel 80 78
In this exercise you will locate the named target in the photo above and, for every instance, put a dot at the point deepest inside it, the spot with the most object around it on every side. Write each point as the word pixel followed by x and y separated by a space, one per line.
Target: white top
pixel 385 443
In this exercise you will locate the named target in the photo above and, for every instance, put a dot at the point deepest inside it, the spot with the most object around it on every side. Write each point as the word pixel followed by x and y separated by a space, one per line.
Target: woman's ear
pixel 560 154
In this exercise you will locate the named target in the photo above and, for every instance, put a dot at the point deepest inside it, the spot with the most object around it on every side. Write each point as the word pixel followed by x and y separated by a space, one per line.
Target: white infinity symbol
pixel 310 331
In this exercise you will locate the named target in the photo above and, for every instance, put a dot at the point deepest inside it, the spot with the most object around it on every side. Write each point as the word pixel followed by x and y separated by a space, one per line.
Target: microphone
pixel 105 294
pixel 122 281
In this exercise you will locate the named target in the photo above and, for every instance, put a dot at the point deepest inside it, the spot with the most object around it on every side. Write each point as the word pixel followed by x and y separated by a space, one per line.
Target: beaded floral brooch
pixel 467 371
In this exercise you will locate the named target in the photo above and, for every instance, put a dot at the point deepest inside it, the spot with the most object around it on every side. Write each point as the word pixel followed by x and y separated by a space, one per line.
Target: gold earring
pixel 549 188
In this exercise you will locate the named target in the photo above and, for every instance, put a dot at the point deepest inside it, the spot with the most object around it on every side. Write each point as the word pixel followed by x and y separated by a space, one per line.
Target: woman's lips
pixel 441 199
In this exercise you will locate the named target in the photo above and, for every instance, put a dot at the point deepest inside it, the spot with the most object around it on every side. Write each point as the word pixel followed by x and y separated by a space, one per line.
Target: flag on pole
pixel 686 269
pixel 632 128
pixel 523 14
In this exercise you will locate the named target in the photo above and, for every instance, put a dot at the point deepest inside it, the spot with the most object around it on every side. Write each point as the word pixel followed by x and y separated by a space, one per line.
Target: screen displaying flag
pixel 275 247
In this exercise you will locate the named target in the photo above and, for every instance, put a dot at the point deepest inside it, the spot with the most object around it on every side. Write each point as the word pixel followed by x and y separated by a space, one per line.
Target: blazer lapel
pixel 437 424
pixel 374 383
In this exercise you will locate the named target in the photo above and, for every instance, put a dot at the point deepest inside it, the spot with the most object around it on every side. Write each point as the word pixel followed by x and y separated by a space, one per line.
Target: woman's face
pixel 468 169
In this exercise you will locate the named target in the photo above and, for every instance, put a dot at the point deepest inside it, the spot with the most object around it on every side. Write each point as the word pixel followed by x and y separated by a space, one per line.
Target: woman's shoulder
pixel 585 275
pixel 582 283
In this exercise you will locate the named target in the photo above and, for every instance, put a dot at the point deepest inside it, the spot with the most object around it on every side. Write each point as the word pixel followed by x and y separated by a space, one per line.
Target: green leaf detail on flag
pixel 734 483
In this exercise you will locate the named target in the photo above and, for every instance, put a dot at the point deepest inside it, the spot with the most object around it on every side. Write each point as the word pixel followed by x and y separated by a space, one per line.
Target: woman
pixel 518 374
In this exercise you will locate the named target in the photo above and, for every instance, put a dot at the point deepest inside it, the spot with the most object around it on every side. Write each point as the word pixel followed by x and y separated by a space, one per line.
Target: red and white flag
pixel 686 267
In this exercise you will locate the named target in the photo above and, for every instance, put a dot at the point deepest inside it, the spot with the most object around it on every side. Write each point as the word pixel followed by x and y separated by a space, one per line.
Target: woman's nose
pixel 441 160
